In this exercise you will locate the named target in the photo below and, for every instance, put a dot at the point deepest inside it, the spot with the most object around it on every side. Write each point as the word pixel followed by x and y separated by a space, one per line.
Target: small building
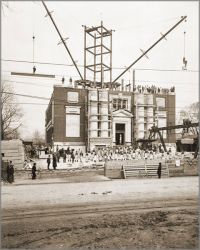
pixel 188 143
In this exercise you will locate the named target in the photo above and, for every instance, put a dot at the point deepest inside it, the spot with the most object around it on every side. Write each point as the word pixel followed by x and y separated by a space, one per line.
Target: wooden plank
pixel 13 155
pixel 31 74
pixel 10 151
pixel 14 159
pixel 156 165
pixel 5 158
pixel 134 167
pixel 12 148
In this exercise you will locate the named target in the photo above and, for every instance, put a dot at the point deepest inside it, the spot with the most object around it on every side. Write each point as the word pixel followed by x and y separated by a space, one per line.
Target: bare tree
pixel 11 113
pixel 190 112
pixel 38 138
pixel 4 5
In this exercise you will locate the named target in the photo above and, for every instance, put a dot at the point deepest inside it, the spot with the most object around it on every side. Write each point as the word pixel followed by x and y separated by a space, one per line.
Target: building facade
pixel 89 118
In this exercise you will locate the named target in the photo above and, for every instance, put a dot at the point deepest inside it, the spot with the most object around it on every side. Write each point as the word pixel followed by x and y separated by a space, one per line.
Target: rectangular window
pixel 162 114
pixel 124 104
pixel 119 103
pixel 114 103
pixel 72 97
pixel 99 125
pixel 98 107
pixel 72 125
pixel 162 122
pixel 160 102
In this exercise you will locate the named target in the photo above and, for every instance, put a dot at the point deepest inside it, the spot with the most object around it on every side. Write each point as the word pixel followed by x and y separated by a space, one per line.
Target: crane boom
pixel 63 41
pixel 191 125
pixel 162 37
pixel 158 130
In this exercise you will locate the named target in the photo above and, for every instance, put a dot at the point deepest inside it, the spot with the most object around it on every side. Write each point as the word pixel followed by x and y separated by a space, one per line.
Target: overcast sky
pixel 137 26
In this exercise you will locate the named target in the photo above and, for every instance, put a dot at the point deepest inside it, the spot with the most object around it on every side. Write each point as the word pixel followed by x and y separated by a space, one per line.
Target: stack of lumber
pixel 13 150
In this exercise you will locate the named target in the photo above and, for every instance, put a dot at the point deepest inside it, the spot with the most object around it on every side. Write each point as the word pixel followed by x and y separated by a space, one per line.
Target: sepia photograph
pixel 99 124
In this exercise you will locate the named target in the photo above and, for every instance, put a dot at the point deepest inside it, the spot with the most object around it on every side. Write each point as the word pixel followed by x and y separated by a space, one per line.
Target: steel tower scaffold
pixel 101 50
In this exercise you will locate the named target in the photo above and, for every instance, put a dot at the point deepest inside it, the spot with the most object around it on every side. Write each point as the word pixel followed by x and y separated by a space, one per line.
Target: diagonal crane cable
pixel 63 41
pixel 161 38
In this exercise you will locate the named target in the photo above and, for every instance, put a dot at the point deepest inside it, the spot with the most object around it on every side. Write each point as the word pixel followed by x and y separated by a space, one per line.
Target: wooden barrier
pixel 144 170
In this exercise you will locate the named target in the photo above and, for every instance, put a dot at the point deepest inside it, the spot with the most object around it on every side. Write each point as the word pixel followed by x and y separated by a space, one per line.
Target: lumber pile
pixel 13 150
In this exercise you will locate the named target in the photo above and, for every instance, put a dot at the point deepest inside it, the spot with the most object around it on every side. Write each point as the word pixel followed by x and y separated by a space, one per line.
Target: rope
pixel 184 44
pixel 33 49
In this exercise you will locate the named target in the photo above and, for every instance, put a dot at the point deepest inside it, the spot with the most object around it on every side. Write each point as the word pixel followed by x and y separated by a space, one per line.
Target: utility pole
pixel 133 80
pixel 145 52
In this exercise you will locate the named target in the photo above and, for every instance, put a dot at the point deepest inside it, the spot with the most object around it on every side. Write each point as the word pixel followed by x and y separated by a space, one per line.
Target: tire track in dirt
pixel 90 210
pixel 144 220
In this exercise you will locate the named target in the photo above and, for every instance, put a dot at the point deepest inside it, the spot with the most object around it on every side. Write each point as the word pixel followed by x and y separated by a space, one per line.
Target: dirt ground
pixel 123 214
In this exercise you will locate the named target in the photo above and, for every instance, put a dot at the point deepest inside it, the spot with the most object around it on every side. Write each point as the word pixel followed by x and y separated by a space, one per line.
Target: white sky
pixel 137 26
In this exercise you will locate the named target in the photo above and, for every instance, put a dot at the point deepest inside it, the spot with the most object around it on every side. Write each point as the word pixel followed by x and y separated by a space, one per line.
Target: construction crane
pixel 184 58
pixel 144 53
pixel 156 130
pixel 62 39
pixel 34 67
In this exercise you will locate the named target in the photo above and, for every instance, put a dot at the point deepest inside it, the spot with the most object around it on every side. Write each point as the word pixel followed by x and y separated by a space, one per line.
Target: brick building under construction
pixel 92 117
pixel 88 114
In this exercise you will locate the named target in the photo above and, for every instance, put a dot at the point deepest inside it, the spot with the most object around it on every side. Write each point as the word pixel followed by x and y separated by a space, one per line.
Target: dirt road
pixel 114 214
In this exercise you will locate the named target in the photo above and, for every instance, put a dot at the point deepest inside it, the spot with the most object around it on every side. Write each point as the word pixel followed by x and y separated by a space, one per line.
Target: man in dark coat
pixel 48 162
pixel 58 156
pixel 54 162
pixel 68 151
pixel 159 170
pixel 64 157
pixel 72 155
pixel 34 171
pixel 10 172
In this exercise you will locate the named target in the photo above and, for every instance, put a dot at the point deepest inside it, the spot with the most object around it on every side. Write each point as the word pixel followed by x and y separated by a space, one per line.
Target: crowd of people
pixel 109 154
pixel 71 155
pixel 35 151
pixel 68 155
pixel 153 90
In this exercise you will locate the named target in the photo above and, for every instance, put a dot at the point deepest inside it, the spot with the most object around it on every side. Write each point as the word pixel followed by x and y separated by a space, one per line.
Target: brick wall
pixel 170 108
pixel 60 102
pixel 171 117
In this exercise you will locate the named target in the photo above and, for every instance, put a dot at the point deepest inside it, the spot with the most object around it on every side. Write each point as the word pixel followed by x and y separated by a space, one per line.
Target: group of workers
pixel 110 154
pixel 153 89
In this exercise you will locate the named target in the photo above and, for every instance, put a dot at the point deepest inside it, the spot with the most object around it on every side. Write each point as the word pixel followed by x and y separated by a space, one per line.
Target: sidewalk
pixel 67 179
pixel 42 163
